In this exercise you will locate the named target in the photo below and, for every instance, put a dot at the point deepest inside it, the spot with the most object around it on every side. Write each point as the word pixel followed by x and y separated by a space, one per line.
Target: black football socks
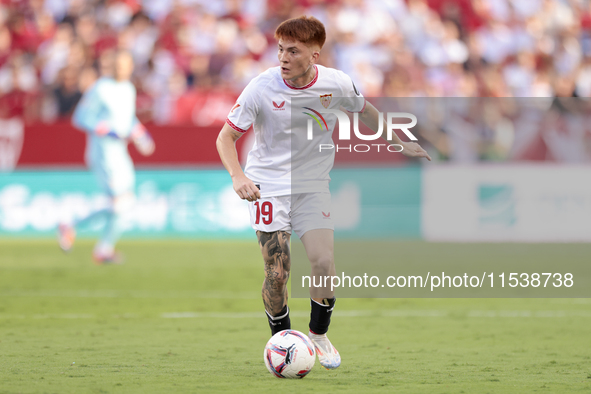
pixel 320 315
pixel 280 322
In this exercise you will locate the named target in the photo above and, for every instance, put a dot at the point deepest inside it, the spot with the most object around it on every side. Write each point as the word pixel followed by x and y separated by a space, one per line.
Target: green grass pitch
pixel 186 317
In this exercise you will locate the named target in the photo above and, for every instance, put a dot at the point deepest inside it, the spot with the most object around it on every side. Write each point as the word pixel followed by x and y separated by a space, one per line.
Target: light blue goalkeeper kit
pixel 106 113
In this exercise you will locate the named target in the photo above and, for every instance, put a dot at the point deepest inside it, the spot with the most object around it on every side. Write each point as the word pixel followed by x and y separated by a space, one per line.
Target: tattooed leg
pixel 275 249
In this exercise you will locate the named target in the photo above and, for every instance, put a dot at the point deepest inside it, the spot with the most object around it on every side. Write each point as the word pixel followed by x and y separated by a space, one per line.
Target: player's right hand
pixel 245 188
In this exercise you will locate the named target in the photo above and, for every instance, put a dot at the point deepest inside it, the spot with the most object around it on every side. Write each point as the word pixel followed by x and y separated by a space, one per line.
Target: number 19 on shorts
pixel 264 210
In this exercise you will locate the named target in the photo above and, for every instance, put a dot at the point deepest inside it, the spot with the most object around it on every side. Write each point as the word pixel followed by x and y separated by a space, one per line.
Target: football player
pixel 277 204
pixel 106 113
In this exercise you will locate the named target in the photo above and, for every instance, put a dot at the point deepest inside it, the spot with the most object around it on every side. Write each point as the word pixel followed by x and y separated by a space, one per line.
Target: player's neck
pixel 303 79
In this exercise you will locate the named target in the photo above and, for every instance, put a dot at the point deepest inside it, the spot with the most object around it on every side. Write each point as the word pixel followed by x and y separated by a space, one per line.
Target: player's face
pixel 123 66
pixel 295 59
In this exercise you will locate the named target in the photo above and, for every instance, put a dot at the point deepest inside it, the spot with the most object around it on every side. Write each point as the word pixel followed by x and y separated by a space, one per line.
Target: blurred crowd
pixel 468 130
pixel 193 57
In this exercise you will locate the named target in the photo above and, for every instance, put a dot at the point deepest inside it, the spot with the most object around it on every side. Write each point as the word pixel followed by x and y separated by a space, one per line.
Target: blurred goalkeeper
pixel 106 113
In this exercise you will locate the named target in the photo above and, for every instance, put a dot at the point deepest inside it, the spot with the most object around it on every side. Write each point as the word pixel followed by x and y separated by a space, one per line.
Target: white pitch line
pixel 244 315
pixel 162 294
pixel 557 314
pixel 239 315
pixel 386 313
pixel 129 294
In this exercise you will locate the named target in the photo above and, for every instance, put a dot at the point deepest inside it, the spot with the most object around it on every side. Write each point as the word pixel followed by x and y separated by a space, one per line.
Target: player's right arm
pixel 86 114
pixel 89 114
pixel 241 117
pixel 226 144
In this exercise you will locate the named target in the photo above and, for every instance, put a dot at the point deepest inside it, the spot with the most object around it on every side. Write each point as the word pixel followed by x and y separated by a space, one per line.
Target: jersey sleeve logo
pixel 325 100
pixel 234 107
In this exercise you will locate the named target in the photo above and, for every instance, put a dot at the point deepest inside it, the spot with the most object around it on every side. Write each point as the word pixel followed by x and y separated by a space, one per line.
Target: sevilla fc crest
pixel 325 100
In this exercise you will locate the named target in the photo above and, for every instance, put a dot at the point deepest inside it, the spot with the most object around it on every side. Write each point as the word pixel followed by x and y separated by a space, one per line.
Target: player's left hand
pixel 144 143
pixel 412 149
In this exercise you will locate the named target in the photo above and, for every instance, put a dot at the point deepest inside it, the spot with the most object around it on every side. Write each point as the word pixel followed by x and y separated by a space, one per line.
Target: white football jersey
pixel 281 132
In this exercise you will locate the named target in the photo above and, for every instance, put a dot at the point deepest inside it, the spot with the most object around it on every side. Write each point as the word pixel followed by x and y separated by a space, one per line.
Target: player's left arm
pixel 142 139
pixel 370 116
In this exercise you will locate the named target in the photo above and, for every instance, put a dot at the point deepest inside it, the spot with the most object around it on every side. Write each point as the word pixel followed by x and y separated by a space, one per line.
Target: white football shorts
pixel 300 212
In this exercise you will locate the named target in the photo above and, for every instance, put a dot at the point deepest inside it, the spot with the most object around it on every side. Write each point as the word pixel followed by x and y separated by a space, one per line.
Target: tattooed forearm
pixel 275 249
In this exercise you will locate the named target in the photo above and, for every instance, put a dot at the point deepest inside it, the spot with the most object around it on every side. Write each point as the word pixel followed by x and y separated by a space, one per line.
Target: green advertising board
pixel 202 203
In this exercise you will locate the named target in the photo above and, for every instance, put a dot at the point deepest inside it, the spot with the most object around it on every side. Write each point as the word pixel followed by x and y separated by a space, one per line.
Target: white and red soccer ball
pixel 289 354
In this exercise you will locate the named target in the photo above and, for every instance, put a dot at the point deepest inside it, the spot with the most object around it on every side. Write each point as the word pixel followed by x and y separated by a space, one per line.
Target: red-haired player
pixel 275 206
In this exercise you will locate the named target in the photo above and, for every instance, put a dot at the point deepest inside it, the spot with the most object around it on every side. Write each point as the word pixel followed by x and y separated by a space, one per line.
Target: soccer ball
pixel 289 354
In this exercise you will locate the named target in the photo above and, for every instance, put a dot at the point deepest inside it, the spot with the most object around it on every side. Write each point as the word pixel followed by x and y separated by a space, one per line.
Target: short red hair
pixel 305 29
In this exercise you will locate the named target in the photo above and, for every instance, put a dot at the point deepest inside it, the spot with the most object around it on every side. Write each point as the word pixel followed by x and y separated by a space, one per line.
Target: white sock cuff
pixel 322 305
pixel 277 317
